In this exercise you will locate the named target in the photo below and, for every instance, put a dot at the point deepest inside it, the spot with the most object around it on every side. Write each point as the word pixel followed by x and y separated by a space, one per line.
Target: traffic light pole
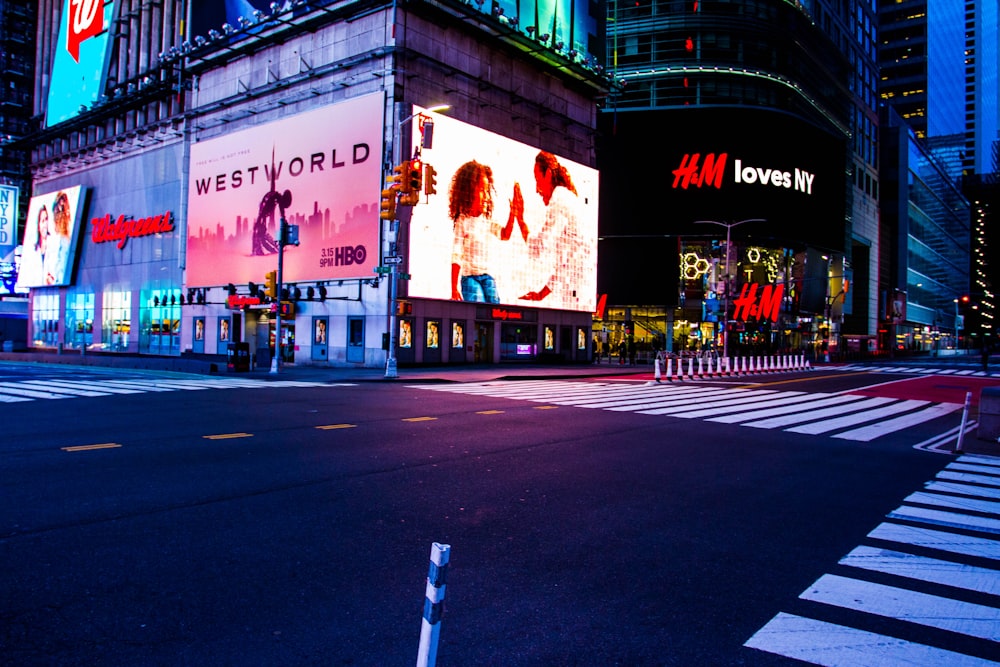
pixel 725 284
pixel 276 359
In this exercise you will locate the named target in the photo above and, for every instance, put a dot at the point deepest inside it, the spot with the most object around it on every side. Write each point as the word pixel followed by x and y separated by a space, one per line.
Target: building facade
pixel 210 139
pixel 757 117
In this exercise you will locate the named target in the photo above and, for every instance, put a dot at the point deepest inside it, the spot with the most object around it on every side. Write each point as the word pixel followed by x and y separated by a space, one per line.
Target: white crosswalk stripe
pixel 30 390
pixel 842 415
pixel 969 370
pixel 945 536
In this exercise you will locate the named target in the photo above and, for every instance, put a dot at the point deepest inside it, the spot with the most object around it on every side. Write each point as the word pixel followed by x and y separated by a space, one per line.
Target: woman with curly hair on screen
pixel 470 207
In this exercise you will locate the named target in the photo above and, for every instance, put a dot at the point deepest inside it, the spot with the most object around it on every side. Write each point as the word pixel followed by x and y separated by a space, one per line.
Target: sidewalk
pixel 311 373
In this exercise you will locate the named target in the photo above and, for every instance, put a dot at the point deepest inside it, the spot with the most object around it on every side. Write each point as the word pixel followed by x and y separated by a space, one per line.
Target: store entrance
pixel 287 341
pixel 483 346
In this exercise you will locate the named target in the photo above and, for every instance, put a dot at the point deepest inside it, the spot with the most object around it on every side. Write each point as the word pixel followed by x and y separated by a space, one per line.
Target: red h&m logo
pixel 767 308
pixel 85 20
pixel 693 172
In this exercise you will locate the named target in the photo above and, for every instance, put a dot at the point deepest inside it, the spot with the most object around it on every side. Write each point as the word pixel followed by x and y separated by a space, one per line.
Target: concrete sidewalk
pixel 442 373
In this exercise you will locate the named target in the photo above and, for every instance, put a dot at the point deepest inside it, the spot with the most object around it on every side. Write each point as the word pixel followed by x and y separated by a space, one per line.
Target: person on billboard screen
pixel 34 262
pixel 556 245
pixel 470 206
pixel 56 250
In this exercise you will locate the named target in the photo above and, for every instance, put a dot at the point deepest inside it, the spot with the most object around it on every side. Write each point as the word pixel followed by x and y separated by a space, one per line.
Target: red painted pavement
pixel 937 388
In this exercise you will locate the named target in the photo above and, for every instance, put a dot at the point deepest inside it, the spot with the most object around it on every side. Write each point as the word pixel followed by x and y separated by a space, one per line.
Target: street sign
pixel 395 259
pixel 404 276
pixel 383 269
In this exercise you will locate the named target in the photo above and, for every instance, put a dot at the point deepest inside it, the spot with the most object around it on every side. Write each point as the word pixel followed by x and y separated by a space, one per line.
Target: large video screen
pixel 80 62
pixel 319 169
pixel 50 238
pixel 568 23
pixel 724 165
pixel 509 224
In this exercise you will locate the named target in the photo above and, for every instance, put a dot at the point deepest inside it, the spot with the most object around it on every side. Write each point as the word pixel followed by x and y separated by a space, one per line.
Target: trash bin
pixel 989 414
pixel 238 357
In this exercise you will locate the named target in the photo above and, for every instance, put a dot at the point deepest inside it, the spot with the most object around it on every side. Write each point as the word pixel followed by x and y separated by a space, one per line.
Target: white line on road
pixel 831 645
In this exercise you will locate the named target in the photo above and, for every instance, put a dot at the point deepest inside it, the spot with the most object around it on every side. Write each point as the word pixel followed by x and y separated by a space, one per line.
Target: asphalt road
pixel 284 525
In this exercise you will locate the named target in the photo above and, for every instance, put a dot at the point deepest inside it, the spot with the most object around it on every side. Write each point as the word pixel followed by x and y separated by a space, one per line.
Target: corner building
pixel 197 136
pixel 742 141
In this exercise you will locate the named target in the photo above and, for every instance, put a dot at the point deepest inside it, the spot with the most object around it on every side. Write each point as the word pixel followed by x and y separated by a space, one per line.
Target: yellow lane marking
pixel 420 419
pixel 546 407
pixel 227 436
pixel 748 385
pixel 490 412
pixel 330 427
pixel 84 448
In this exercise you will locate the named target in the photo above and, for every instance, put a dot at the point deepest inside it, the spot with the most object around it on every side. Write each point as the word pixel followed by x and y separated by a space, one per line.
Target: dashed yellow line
pixel 330 427
pixel 490 412
pixel 85 448
pixel 420 419
pixel 546 407
pixel 227 436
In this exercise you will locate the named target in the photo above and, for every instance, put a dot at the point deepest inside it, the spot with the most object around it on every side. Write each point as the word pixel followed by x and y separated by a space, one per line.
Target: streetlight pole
pixel 391 366
pixel 725 291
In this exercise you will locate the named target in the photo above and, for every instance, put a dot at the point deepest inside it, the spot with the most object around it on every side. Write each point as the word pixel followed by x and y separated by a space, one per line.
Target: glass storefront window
pixel 160 322
pixel 117 320
pixel 45 320
pixel 80 320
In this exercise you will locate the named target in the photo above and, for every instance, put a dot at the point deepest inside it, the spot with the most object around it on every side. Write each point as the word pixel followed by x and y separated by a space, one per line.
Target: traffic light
pixel 404 307
pixel 400 178
pixel 271 284
pixel 388 205
pixel 430 180
pixel 416 177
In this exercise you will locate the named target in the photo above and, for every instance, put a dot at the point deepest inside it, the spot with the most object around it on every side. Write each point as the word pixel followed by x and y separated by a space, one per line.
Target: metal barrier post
pixel 430 627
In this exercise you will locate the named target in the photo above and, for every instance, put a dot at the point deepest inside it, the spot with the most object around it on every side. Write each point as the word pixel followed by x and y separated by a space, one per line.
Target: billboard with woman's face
pixel 510 224
pixel 50 238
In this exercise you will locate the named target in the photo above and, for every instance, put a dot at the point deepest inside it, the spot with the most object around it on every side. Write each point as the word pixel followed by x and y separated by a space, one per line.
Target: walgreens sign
pixel 711 171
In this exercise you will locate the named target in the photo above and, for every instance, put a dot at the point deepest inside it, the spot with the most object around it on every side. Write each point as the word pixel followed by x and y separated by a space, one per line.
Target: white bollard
pixel 670 368
pixel 690 367
pixel 965 418
pixel 699 367
pixel 430 627
pixel 656 368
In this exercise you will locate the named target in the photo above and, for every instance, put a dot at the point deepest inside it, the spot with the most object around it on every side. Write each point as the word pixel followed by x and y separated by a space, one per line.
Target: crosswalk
pixel 51 389
pixel 964 370
pixel 841 415
pixel 932 567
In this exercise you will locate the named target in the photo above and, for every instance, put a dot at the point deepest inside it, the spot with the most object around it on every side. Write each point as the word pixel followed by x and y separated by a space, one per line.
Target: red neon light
pixel 692 172
pixel 121 230
pixel 767 308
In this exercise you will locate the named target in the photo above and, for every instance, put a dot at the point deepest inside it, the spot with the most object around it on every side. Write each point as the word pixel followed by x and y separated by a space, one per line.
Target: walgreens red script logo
pixel 85 20
pixel 711 172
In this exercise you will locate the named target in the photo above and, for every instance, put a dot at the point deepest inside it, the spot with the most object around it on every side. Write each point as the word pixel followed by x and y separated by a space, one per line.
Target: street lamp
pixel 725 292
pixel 391 371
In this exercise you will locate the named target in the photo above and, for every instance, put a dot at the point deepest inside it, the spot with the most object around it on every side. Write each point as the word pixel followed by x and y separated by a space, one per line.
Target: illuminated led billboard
pixel 666 170
pixel 9 195
pixel 80 62
pixel 320 170
pixel 509 224
pixel 50 238
pixel 562 24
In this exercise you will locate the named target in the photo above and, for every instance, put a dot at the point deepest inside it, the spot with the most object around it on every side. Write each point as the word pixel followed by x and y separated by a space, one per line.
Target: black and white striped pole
pixel 430 627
